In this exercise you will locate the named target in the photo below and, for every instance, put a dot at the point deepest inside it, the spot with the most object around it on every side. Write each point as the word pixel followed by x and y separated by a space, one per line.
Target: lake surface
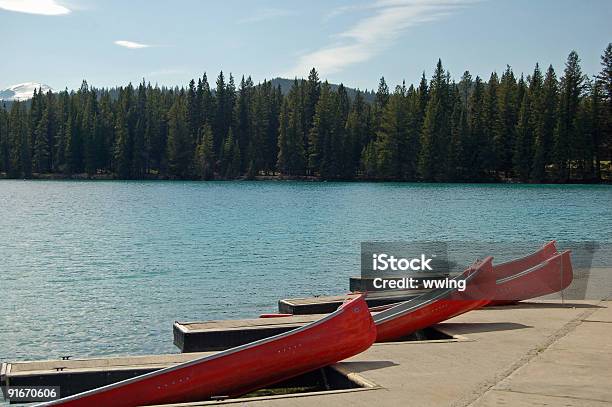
pixel 101 268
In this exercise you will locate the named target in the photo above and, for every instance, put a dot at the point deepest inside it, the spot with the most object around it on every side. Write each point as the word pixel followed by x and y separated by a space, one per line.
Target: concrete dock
pixel 543 353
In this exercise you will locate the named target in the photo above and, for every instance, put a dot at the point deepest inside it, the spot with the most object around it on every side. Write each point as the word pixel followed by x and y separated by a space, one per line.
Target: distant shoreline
pixel 280 178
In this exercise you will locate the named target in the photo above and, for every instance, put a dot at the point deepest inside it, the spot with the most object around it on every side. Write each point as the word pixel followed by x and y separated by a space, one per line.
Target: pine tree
pixel 380 102
pixel 604 79
pixel 544 130
pixel 35 113
pixel 20 162
pixel 435 135
pixel 227 155
pixel 234 168
pixel 369 160
pixel 458 157
pixel 59 146
pixel 41 148
pixel 571 89
pixel 155 131
pixel 74 146
pixel 392 138
pixel 244 114
pixel 421 106
pixel 236 161
pixel 342 149
pixel 291 154
pixel 475 150
pixel 230 103
pixel 259 148
pixel 524 138
pixel 91 140
pixel 357 134
pixel 124 134
pixel 274 99
pixel 597 122
pixel 583 146
pixel 508 108
pixel 323 140
pixel 465 88
pixel 207 101
pixel 296 133
pixel 205 155
pixel 220 125
pixel 194 112
pixel 4 140
pixel 312 94
pixel 52 127
pixel 122 148
pixel 179 144
pixel 536 96
pixel 428 150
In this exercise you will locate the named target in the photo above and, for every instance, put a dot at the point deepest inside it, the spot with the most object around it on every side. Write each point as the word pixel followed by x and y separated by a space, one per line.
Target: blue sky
pixel 355 42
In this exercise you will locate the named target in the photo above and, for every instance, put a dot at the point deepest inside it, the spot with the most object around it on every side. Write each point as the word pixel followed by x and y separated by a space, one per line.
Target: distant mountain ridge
pixel 286 85
pixel 22 91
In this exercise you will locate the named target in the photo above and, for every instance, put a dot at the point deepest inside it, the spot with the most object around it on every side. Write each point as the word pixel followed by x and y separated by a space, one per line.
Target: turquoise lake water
pixel 105 268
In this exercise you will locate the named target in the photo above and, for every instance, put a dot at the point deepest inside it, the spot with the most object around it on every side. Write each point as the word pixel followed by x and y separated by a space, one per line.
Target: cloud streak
pixel 386 21
pixel 131 44
pixel 42 7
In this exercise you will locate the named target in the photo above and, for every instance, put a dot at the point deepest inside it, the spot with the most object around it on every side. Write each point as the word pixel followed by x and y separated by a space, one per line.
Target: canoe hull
pixel 513 267
pixel 342 334
pixel 550 276
pixel 438 305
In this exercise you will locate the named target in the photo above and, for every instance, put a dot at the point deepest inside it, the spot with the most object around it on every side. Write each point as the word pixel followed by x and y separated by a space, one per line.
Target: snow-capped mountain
pixel 22 91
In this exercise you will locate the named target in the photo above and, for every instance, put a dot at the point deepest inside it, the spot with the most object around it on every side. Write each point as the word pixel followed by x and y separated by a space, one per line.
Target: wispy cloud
pixel 385 22
pixel 266 14
pixel 44 7
pixel 131 44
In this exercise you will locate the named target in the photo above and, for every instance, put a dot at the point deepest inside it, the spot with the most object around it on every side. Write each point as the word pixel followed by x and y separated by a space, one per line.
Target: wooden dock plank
pixel 327 304
pixel 238 324
pixel 219 335
pixel 97 364
pixel 78 375
pixel 197 336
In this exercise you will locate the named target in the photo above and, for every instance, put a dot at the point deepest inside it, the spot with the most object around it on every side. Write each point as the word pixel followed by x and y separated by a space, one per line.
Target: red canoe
pixel 339 335
pixel 437 305
pixel 549 276
pixel 513 267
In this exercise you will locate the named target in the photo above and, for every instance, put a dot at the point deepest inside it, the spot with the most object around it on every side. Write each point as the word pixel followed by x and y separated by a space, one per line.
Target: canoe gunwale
pixel 535 256
pixel 410 306
pixel 534 268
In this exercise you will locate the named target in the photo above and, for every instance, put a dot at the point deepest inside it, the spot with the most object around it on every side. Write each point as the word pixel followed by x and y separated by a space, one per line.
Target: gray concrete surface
pixel 540 353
